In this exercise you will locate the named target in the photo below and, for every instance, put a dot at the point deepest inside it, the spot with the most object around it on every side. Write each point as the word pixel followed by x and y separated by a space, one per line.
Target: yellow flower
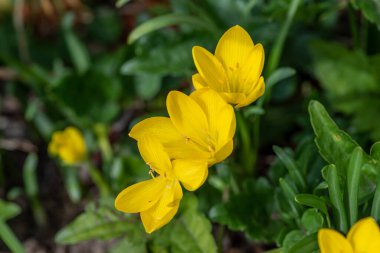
pixel 363 237
pixel 68 145
pixel 157 199
pixel 235 69
pixel 201 127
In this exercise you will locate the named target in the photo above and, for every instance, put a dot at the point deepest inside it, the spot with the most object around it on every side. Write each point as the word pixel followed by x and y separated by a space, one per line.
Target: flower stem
pixel 97 178
pixel 273 62
pixel 104 144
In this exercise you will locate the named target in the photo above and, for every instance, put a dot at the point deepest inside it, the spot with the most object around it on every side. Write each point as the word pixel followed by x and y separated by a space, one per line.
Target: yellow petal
pixel 154 155
pixel 188 117
pixel 141 196
pixel 68 155
pixel 76 140
pixel 233 97
pixel 364 236
pixel 151 223
pixel 198 82
pixel 219 114
pixel 224 152
pixel 331 241
pixel 55 142
pixel 164 210
pixel 252 67
pixel 191 173
pixel 186 149
pixel 160 128
pixel 234 47
pixel 173 141
pixel 257 91
pixel 210 69
pixel 172 194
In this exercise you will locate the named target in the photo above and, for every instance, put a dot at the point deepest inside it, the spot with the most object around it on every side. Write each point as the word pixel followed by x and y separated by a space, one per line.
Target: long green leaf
pixel 336 197
pixel 312 201
pixel 9 238
pixel 164 21
pixel 290 195
pixel 353 179
pixel 292 167
pixel 78 52
pixel 8 210
pixel 375 211
pixel 279 75
pixel 31 188
pixel 370 9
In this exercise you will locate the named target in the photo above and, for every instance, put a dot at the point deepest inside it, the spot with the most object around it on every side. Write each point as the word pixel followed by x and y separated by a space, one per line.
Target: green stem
pixel 97 178
pixel 273 62
pixel 104 144
pixel 275 55
pixel 9 238
pixel 247 153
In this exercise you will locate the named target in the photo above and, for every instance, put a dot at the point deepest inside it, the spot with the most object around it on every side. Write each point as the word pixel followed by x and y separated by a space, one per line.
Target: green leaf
pixel 312 201
pixel 375 151
pixel 132 246
pixel 156 23
pixel 370 9
pixel 169 58
pixel 279 75
pixel 353 179
pixel 292 167
pixel 31 188
pixel 72 183
pixel 375 211
pixel 192 233
pixel 334 145
pixel 292 238
pixel 96 223
pixel 8 210
pixel 290 195
pixel 88 98
pixel 307 244
pixel 29 175
pixel 8 238
pixel 242 213
pixel 336 197
pixel 312 220
pixel 147 85
pixel 78 52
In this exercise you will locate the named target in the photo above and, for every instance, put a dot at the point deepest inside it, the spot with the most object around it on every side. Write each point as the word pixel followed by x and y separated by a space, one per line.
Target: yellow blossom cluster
pixel 68 145
pixel 199 131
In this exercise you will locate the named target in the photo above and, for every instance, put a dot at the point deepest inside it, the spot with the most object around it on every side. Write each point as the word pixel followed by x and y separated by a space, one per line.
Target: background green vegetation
pixel 298 164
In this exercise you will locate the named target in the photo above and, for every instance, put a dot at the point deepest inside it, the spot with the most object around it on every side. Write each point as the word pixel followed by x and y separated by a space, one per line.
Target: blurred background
pixel 102 66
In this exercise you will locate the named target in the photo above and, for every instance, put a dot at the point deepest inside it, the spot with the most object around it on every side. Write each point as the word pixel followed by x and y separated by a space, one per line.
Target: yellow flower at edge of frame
pixel 200 127
pixel 157 200
pixel 235 69
pixel 363 237
pixel 68 145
